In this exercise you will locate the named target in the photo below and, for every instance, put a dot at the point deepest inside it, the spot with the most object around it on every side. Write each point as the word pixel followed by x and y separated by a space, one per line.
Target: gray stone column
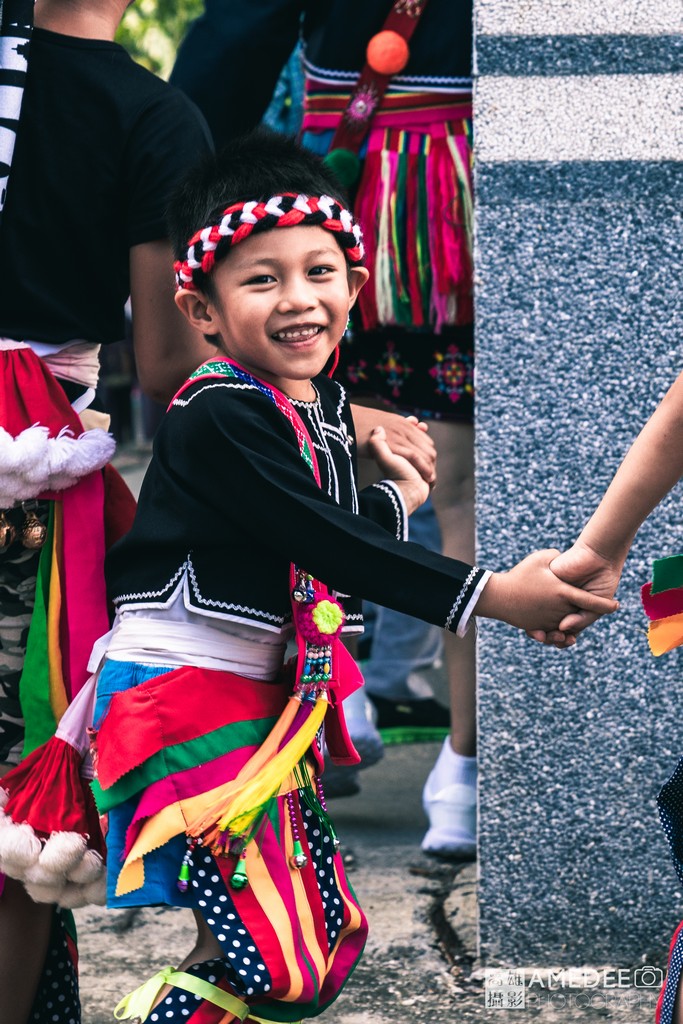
pixel 579 150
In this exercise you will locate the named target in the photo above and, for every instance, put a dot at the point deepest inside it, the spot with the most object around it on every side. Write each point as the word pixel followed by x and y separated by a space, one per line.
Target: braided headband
pixel 241 220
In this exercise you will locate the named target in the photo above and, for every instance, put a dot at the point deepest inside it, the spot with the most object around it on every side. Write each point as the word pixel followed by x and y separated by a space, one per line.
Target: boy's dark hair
pixel 254 167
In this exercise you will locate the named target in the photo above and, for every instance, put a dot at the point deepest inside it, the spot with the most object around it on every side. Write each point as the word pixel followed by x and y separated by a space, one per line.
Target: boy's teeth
pixel 306 332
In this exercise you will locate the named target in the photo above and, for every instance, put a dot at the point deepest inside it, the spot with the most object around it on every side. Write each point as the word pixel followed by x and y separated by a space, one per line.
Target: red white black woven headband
pixel 241 220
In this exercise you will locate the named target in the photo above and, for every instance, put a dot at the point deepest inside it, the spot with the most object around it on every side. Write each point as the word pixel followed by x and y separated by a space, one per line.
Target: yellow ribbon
pixel 139 1003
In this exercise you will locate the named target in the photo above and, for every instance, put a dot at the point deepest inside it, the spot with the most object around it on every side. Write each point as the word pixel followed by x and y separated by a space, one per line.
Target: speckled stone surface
pixel 577 17
pixel 580 331
pixel 578 55
pixel 578 117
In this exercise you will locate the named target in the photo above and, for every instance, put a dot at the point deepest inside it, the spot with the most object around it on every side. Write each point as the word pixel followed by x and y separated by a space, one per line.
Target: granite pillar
pixel 579 271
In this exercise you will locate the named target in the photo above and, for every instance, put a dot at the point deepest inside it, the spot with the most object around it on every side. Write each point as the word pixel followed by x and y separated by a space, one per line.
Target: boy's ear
pixel 357 278
pixel 196 308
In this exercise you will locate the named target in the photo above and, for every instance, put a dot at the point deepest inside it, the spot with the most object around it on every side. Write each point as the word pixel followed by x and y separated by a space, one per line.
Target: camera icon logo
pixel 648 977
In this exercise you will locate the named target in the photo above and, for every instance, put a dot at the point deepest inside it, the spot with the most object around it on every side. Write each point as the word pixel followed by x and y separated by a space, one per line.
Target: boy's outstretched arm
pixel 651 467
pixel 529 592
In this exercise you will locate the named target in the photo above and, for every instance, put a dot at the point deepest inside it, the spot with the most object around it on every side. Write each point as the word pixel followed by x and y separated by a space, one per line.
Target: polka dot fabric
pixel 57 1000
pixel 665 1007
pixel 670 802
pixel 243 964
pixel 290 937
pixel 180 1006
pixel 321 852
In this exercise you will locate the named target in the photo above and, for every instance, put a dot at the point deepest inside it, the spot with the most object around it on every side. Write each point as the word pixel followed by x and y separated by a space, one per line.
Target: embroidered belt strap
pixel 387 54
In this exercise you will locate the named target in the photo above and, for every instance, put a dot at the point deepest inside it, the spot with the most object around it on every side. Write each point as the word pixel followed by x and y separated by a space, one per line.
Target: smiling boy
pixel 249 531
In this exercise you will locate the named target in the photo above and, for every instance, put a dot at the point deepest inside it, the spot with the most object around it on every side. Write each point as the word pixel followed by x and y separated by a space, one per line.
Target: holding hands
pixel 595 573
pixel 552 596
pixel 534 598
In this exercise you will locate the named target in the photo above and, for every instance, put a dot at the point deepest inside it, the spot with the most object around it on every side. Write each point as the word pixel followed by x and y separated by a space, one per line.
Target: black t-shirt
pixel 101 142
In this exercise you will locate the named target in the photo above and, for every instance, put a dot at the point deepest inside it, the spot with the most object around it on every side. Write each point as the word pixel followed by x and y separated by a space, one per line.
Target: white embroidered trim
pixel 342 403
pixel 154 593
pixel 209 603
pixel 302 403
pixel 396 498
pixel 330 75
pixel 458 601
pixel 33 462
pixel 464 623
pixel 184 402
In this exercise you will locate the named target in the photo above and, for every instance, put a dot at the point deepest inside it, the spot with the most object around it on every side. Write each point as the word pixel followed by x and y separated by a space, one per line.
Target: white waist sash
pixel 156 641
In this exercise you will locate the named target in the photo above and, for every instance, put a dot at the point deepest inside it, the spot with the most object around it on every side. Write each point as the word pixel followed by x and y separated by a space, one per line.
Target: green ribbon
pixel 667 574
pixel 138 1004
pixel 34 684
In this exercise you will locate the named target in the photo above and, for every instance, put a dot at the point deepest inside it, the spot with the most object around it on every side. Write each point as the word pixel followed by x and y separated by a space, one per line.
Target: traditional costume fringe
pixel 43 447
pixel 50 836
pixel 663 603
pixel 414 203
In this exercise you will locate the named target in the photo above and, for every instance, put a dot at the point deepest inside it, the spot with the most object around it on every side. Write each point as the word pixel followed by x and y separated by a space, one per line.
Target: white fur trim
pixel 33 462
pixel 89 869
pixel 61 870
pixel 73 896
pixel 44 893
pixel 19 849
pixel 62 852
pixel 96 892
pixel 38 875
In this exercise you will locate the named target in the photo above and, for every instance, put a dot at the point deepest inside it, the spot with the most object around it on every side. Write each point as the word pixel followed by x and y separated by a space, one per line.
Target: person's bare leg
pixel 206 947
pixel 449 795
pixel 453 500
pixel 24 941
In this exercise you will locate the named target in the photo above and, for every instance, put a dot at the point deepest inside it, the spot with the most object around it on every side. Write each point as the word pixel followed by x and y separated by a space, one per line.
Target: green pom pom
pixel 345 165
pixel 239 878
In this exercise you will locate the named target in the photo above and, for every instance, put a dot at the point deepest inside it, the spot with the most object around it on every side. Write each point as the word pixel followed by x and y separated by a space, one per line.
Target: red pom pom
pixel 387 53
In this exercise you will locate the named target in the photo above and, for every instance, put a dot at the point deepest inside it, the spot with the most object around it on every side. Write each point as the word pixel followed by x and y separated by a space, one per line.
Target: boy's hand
pixel 414 488
pixel 593 572
pixel 406 436
pixel 531 597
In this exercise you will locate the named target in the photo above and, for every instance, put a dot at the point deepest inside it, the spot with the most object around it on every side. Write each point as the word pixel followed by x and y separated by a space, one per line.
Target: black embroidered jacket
pixel 228 503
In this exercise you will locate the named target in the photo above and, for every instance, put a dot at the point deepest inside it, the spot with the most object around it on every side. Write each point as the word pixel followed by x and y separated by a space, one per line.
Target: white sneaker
pixel 452 813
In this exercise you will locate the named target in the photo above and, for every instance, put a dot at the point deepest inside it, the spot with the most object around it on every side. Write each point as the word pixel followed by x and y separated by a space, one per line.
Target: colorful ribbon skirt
pixel 278 903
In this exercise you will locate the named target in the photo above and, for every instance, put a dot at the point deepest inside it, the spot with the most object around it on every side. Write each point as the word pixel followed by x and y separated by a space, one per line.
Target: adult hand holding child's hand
pixel 406 436
pixel 399 470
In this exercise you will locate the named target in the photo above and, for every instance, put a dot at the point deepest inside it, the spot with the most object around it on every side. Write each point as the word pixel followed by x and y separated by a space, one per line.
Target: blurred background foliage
pixel 151 31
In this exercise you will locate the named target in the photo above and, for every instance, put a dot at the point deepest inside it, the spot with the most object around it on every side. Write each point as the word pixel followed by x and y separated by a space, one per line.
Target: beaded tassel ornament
pixel 234 817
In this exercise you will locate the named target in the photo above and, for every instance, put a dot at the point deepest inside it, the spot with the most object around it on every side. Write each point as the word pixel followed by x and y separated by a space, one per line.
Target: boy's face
pixel 282 304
